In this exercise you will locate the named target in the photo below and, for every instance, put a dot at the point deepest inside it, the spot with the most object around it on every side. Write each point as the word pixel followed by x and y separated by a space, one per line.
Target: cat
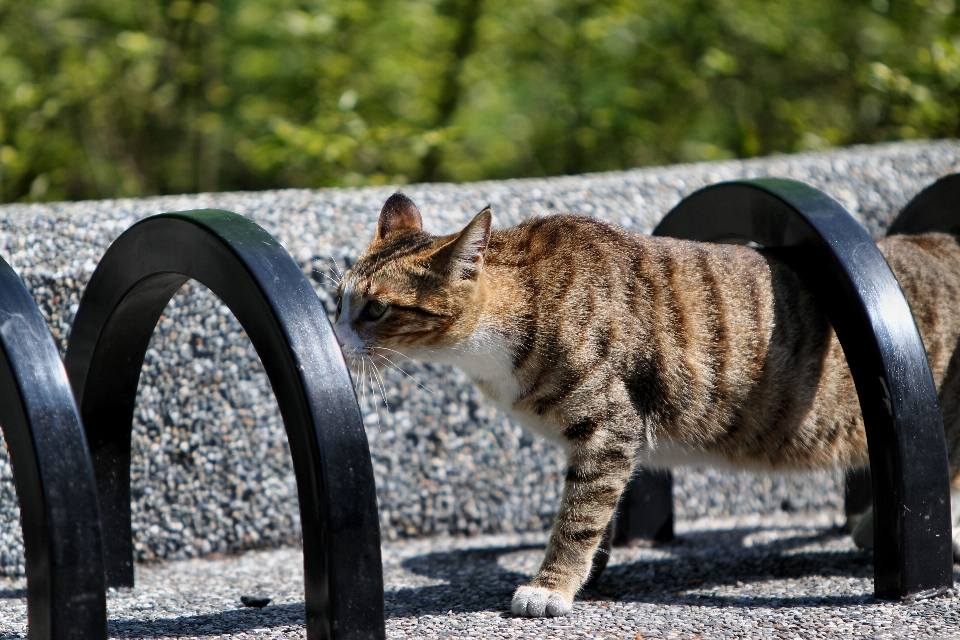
pixel 625 349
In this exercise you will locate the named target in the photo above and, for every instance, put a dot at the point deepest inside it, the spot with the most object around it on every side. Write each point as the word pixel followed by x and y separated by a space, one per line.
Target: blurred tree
pixel 105 98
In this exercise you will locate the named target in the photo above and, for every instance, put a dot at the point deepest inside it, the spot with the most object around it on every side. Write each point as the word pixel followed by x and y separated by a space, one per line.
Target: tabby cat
pixel 626 349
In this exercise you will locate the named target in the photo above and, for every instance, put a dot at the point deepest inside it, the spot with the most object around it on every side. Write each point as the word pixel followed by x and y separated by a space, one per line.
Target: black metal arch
pixel 841 264
pixel 53 474
pixel 936 208
pixel 256 278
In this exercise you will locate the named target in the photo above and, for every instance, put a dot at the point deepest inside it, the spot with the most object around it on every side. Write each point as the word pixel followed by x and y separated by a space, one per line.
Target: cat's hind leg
pixel 863 531
pixel 598 469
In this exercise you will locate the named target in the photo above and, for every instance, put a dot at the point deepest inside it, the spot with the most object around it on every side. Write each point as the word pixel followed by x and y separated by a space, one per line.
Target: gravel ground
pixel 783 576
pixel 211 471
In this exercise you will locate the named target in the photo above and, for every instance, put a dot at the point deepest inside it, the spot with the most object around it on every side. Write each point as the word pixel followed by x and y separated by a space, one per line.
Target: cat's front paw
pixel 537 602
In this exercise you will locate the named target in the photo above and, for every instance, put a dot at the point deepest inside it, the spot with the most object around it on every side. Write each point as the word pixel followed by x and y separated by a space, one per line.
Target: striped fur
pixel 625 348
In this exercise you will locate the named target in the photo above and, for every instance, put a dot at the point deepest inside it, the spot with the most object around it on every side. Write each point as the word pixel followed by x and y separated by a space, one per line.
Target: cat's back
pixel 575 242
pixel 545 238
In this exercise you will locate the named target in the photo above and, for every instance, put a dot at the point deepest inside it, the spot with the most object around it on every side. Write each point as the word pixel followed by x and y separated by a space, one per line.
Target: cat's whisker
pixel 394 351
pixel 354 369
pixel 348 360
pixel 335 263
pixel 397 367
pixel 376 372
pixel 374 402
pixel 363 377
pixel 336 283
pixel 359 379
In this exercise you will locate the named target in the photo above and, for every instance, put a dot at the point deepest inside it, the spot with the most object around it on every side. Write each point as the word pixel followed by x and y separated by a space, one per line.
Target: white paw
pixel 536 602
pixel 862 533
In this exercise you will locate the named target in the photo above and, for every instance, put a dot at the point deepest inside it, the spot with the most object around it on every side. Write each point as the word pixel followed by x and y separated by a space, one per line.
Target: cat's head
pixel 411 293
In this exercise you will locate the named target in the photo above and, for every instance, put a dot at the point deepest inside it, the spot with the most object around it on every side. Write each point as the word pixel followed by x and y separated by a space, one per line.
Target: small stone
pixel 257 602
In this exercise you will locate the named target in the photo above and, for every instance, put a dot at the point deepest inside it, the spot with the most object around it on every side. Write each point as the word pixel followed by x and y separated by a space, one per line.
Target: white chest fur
pixel 487 358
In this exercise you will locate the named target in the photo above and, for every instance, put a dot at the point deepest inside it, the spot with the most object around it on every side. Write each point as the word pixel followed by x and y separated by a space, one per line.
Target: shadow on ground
pixel 476 581
pixel 234 621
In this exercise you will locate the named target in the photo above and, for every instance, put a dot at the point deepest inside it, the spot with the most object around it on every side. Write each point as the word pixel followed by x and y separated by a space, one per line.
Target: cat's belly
pixel 671 455
pixel 546 429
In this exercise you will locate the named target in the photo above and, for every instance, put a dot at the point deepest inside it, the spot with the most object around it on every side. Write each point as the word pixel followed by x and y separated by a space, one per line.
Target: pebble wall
pixel 212 471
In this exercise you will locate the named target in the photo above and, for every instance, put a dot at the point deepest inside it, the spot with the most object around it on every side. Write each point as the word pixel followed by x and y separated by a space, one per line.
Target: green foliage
pixel 105 98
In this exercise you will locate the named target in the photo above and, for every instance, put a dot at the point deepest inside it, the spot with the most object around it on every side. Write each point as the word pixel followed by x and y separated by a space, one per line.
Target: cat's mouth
pixel 375 357
pixel 352 359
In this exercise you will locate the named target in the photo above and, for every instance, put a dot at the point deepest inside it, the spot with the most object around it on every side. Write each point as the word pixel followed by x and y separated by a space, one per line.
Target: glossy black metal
pixel 837 259
pixel 645 511
pixel 936 208
pixel 53 475
pixel 256 278
pixel 857 495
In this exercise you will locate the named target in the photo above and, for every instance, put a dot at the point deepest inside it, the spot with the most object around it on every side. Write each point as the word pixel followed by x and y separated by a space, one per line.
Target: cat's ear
pixel 462 257
pixel 398 213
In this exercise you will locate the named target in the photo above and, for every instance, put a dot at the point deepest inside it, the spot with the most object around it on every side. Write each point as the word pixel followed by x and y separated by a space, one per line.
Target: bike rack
pixel 933 209
pixel 936 208
pixel 841 264
pixel 53 475
pixel 71 557
pixel 270 296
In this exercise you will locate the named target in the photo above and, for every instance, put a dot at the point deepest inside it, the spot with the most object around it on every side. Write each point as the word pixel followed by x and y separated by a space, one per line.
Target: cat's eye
pixel 374 310
pixel 339 309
